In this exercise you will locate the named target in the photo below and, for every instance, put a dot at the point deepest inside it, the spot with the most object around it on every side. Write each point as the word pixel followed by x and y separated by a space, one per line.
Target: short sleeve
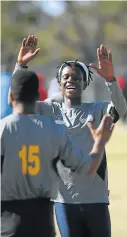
pixel 103 107
pixel 117 98
pixel 107 108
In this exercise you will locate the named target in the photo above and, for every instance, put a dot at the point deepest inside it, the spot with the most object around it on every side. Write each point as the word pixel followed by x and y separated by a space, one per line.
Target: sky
pixel 53 8
pixel 56 8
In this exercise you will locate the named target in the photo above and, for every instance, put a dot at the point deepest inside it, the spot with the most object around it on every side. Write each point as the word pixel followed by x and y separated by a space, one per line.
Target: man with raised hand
pixel 82 203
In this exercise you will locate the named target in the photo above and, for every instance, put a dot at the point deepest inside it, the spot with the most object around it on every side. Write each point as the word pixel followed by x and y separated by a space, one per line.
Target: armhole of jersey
pixel 108 108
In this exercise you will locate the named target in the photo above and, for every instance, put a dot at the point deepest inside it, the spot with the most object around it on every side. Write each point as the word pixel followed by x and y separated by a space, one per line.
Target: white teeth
pixel 70 87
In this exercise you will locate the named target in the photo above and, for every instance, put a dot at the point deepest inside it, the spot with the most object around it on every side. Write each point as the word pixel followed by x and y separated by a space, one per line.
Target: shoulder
pixel 6 119
pixel 98 105
pixel 51 123
pixel 57 97
pixel 50 102
pixel 9 120
pixel 46 106
pixel 51 126
pixel 47 103
pixel 4 123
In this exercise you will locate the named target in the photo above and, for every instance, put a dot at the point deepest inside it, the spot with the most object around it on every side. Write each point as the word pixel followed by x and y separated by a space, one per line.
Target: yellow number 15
pixel 30 159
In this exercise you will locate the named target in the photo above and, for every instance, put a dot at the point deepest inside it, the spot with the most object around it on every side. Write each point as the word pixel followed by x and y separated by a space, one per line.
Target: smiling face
pixel 72 83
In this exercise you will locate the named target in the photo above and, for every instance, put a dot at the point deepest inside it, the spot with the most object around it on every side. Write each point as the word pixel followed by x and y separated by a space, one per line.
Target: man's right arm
pixel 27 52
pixel 19 68
pixel 72 157
pixel 77 160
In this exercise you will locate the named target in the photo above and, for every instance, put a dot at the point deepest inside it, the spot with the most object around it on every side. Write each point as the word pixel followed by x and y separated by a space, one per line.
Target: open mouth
pixel 71 88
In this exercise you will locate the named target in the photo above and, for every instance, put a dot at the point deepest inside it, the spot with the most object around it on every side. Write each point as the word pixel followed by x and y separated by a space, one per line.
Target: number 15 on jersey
pixel 30 159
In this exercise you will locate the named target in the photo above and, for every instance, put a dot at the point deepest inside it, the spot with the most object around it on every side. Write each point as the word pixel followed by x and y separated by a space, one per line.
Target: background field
pixel 66 31
pixel 117 164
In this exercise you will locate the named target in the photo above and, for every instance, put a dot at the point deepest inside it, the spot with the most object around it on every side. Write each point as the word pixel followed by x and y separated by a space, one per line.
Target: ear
pixel 60 85
pixel 59 82
pixel 11 97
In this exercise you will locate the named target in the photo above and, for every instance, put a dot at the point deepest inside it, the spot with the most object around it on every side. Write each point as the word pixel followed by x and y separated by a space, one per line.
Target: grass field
pixel 117 163
pixel 117 166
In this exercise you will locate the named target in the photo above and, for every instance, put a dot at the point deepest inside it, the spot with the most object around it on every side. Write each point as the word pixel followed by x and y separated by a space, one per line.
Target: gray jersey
pixel 30 145
pixel 76 187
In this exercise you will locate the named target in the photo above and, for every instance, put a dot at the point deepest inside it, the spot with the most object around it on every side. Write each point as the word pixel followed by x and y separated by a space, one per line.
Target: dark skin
pixel 23 108
pixel 72 76
pixel 104 68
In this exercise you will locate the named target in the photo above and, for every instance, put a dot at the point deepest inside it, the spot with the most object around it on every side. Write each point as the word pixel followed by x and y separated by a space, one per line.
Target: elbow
pixel 94 167
pixel 91 172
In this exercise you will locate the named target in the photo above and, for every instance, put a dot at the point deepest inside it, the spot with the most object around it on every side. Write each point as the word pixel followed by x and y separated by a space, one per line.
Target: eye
pixel 65 76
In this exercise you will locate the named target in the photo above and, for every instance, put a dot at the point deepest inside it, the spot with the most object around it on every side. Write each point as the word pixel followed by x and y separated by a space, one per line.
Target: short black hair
pixel 75 63
pixel 25 86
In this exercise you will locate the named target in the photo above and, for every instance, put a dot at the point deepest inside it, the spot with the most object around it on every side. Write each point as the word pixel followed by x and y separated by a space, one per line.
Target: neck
pixel 21 108
pixel 72 102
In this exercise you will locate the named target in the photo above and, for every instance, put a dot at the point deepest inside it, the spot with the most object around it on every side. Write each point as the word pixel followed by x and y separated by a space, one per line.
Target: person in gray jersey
pixel 82 202
pixel 30 145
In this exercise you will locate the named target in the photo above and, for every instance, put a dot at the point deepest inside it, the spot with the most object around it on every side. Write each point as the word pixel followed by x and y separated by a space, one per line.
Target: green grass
pixel 117 166
pixel 117 163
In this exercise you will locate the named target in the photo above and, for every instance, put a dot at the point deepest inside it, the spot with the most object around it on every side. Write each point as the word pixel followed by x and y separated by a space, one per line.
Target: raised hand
pixel 104 131
pixel 105 66
pixel 28 50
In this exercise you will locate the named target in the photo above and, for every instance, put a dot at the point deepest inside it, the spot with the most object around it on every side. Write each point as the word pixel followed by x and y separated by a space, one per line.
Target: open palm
pixel 105 66
pixel 104 131
pixel 28 50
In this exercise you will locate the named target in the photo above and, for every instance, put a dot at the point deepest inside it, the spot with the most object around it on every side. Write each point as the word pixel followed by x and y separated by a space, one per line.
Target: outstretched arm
pixel 72 157
pixel 27 52
pixel 106 70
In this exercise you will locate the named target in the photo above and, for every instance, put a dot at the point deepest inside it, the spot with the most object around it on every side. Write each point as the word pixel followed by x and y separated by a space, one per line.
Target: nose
pixel 71 78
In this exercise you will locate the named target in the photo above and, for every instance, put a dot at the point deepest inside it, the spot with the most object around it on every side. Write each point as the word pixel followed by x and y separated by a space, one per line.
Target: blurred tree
pixel 76 33
pixel 84 27
pixel 18 19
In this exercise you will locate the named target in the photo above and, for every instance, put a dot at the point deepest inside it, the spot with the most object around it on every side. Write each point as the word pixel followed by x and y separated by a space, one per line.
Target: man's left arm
pixel 105 69
pixel 117 98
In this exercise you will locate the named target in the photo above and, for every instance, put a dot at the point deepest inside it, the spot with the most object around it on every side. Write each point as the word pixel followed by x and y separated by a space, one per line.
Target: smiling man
pixel 72 79
pixel 82 202
pixel 30 145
